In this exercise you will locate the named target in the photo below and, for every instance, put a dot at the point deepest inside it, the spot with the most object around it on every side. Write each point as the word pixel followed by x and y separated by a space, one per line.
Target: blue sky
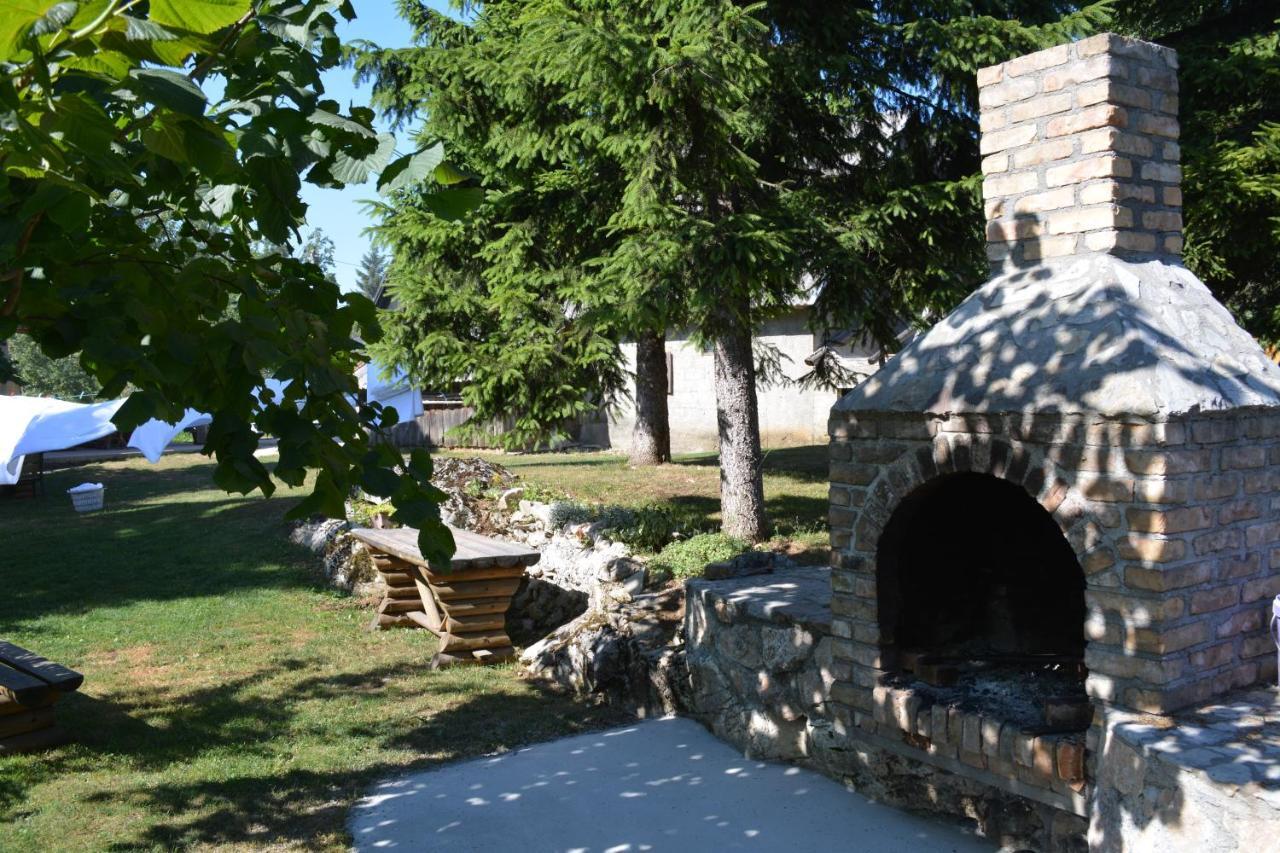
pixel 338 212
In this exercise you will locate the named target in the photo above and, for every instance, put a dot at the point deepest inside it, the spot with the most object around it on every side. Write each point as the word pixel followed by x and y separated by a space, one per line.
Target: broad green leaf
pixel 17 19
pixel 79 122
pixel 332 119
pixel 351 170
pixel 58 16
pixel 448 174
pixel 453 203
pixel 167 137
pixel 221 199
pixel 72 213
pixel 198 16
pixel 140 29
pixel 411 169
pixel 169 89
pixel 103 63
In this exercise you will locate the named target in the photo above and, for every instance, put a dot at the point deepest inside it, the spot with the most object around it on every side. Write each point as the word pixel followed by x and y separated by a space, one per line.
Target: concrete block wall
pixel 1080 152
pixel 1174 524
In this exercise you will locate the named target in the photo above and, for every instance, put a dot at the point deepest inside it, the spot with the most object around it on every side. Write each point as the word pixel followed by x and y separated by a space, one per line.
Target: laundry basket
pixel 86 497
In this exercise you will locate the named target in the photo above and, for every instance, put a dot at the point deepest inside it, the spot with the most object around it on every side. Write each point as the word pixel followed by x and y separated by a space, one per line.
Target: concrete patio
pixel 659 785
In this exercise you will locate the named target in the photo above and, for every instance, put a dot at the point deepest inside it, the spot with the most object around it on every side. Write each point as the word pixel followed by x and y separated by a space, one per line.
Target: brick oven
pixel 1061 502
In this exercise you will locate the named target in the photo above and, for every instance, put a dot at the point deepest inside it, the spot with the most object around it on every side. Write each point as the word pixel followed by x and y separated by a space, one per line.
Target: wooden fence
pixel 439 418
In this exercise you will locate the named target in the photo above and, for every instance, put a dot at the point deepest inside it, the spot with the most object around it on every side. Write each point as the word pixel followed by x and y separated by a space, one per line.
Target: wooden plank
pixel 455 642
pixel 428 599
pixel 386 621
pixel 22 688
pixel 400 605
pixel 402 591
pixel 498 655
pixel 449 590
pixel 472 550
pixel 41 739
pixel 8 707
pixel 421 620
pixel 475 607
pixel 493 573
pixel 464 624
pixel 53 674
pixel 29 721
pixel 398 579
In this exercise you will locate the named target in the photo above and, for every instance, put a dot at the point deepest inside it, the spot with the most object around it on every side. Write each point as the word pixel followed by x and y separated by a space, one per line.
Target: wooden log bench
pixel 465 607
pixel 29 687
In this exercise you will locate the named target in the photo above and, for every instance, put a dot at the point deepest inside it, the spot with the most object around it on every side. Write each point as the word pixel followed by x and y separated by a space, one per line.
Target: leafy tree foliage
pixel 146 151
pixel 1229 82
pixel 373 271
pixel 688 162
pixel 41 376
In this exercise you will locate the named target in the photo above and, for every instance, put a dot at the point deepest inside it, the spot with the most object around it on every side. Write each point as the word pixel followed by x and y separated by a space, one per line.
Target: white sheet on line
pixel 154 436
pixel 39 425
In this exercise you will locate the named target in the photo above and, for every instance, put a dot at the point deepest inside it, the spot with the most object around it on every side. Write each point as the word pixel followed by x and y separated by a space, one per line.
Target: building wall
pixel 789 416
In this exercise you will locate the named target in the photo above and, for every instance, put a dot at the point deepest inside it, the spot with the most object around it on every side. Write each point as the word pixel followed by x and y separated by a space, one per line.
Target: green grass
pixel 795 487
pixel 230 700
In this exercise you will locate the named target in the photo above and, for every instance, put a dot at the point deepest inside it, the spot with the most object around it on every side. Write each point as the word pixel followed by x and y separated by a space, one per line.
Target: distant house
pixel 791 413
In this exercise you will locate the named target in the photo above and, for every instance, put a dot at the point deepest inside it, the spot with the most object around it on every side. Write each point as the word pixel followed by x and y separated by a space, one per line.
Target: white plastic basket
pixel 87 497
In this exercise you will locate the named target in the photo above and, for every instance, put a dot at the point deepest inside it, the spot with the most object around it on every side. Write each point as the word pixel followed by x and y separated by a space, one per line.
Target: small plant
pixel 569 512
pixel 648 528
pixel 361 513
pixel 687 558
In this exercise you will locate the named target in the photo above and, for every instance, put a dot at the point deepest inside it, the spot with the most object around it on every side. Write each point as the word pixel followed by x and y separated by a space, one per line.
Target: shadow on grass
pixel 140 547
pixel 803 463
pixel 788 513
pixel 308 807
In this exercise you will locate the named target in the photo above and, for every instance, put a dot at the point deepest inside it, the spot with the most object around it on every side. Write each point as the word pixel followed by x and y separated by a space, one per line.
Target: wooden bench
pixel 465 607
pixel 29 687
pixel 30 482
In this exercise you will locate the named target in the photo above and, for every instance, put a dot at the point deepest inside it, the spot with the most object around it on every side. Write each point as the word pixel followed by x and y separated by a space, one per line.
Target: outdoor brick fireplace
pixel 1062 501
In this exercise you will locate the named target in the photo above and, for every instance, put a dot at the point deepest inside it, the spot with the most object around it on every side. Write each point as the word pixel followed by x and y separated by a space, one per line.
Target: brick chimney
pixel 1080 153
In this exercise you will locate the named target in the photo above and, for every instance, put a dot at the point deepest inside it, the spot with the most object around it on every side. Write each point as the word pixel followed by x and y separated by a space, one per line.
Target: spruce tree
pixel 694 163
pixel 1229 94
pixel 373 272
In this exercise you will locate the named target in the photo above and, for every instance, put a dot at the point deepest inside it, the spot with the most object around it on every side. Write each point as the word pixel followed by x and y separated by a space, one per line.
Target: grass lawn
pixel 795 487
pixel 230 701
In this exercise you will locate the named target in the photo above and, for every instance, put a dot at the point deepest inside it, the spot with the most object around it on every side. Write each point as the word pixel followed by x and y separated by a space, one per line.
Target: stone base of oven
pixel 761 675
pixel 1206 779
pixel 761 669
pixel 894 774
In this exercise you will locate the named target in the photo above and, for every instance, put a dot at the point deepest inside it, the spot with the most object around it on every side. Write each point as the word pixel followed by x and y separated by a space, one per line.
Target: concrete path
pixel 660 785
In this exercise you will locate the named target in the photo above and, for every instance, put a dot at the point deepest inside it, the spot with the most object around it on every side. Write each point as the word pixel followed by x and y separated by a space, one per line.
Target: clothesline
pixel 40 424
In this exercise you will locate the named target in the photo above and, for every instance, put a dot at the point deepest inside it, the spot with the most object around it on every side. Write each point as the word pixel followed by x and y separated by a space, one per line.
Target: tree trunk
pixel 741 480
pixel 651 435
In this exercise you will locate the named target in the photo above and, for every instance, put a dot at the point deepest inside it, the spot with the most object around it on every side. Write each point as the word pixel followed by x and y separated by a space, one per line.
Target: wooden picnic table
pixel 465 607
pixel 29 687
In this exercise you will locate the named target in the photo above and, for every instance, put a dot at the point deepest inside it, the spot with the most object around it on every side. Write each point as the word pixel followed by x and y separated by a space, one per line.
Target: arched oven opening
pixel 981 604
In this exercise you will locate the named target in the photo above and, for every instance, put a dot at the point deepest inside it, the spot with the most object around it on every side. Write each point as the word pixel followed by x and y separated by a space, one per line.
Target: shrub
pixel 569 512
pixel 687 558
pixel 360 513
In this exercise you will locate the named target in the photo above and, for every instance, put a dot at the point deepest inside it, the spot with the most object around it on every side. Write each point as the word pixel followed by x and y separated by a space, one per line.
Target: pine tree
pixel 1229 93
pixel 373 272
pixel 693 163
